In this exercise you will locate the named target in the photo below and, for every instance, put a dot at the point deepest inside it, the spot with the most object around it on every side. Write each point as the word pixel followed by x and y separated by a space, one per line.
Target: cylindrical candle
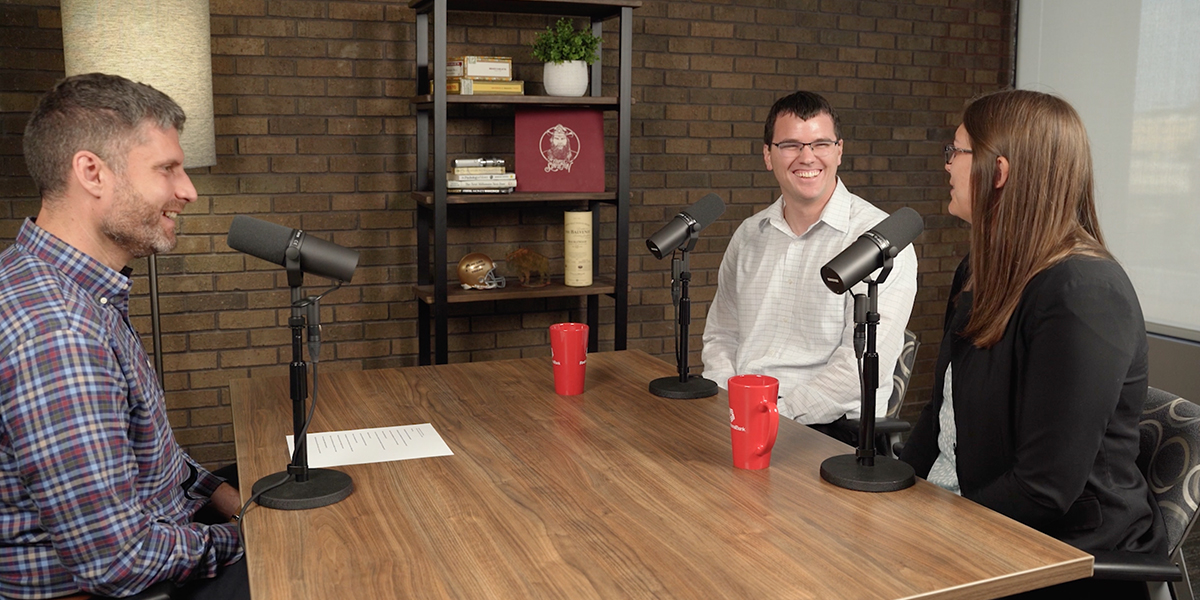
pixel 577 251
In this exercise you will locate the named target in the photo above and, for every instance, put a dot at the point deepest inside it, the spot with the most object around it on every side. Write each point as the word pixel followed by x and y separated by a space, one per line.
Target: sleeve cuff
pixel 205 484
pixel 227 543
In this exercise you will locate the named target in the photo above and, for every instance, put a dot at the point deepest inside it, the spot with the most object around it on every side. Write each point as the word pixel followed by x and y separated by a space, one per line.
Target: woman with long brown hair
pixel 1042 370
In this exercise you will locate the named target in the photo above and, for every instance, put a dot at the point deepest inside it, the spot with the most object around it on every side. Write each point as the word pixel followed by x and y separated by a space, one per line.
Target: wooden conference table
pixel 612 494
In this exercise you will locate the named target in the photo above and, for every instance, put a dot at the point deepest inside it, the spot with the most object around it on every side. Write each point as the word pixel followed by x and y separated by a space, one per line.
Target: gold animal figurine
pixel 531 268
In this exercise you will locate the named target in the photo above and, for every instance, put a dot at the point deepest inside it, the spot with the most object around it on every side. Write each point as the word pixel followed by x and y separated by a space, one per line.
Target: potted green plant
pixel 566 52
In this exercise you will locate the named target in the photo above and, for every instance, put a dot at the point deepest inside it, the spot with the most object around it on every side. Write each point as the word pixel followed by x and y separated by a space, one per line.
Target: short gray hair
pixel 95 112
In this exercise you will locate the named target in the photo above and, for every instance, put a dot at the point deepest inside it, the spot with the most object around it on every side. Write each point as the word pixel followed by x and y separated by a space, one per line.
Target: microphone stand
pixel 685 386
pixel 865 471
pixel 302 487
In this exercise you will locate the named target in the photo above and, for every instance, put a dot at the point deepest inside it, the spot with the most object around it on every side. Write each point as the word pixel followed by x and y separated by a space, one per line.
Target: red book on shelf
pixel 559 150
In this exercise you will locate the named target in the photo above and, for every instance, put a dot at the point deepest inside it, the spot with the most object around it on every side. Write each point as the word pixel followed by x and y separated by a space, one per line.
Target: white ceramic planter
pixel 568 78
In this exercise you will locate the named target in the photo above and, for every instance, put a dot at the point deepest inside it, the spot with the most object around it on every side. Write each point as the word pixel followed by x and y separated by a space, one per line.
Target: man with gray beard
pixel 95 494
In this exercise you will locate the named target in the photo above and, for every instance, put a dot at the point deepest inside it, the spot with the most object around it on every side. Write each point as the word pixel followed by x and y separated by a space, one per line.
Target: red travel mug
pixel 753 419
pixel 568 353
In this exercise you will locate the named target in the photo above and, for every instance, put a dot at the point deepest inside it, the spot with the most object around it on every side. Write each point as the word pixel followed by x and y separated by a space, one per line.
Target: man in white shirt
pixel 772 314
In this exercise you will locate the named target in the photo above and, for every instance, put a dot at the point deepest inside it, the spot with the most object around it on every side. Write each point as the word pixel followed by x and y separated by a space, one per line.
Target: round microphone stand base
pixel 886 475
pixel 695 387
pixel 324 487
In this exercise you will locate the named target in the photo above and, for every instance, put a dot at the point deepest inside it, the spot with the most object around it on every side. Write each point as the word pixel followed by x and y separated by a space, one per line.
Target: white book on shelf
pixel 479 162
pixel 478 170
pixel 481 176
pixel 506 190
pixel 497 184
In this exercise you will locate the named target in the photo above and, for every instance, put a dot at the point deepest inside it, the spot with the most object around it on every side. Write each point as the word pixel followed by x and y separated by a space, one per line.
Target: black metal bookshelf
pixel 433 290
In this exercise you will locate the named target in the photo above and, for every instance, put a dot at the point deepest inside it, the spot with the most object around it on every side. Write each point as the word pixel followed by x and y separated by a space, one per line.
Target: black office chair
pixel 889 427
pixel 1170 459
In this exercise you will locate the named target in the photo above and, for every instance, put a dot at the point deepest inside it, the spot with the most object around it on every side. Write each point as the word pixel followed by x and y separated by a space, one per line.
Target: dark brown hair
pixel 805 105
pixel 1045 211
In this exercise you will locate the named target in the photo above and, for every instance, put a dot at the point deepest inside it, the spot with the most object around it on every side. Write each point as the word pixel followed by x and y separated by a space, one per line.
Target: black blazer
pixel 1047 419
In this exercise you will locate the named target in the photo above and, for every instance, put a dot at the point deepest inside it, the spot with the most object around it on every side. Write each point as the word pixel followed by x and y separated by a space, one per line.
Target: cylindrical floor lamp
pixel 164 44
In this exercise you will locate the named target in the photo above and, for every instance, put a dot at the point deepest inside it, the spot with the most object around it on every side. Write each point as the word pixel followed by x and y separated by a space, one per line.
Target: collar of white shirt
pixel 836 213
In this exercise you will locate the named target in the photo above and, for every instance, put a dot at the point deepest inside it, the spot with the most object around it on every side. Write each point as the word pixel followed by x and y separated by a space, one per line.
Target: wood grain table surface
pixel 615 493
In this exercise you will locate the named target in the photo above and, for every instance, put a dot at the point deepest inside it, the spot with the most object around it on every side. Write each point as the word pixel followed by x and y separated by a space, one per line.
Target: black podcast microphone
pixel 869 251
pixel 273 243
pixel 675 233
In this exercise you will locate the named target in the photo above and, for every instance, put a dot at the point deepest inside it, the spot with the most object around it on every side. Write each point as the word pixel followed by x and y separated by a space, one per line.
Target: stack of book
pixel 480 176
pixel 479 75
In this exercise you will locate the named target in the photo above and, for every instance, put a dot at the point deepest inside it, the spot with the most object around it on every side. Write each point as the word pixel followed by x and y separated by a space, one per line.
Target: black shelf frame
pixel 433 201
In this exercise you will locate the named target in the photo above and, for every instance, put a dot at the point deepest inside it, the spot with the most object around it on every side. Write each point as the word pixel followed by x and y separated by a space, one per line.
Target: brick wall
pixel 314 130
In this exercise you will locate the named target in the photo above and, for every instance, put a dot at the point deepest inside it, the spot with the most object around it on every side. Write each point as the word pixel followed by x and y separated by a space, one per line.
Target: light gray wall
pixel 1128 67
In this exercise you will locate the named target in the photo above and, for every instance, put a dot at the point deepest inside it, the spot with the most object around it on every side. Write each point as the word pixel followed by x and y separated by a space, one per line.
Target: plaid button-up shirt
pixel 95 494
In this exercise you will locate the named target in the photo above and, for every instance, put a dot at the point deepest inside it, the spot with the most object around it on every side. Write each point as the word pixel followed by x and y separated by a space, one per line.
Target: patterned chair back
pixel 1170 458
pixel 903 373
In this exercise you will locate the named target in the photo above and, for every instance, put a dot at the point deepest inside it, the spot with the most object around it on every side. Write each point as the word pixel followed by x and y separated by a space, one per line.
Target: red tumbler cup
pixel 568 353
pixel 753 419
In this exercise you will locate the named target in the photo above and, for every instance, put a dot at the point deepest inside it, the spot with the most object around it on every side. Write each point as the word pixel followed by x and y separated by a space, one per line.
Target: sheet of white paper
pixel 379 444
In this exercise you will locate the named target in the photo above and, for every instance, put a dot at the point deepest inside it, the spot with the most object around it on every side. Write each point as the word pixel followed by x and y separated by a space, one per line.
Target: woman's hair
pixel 1045 211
